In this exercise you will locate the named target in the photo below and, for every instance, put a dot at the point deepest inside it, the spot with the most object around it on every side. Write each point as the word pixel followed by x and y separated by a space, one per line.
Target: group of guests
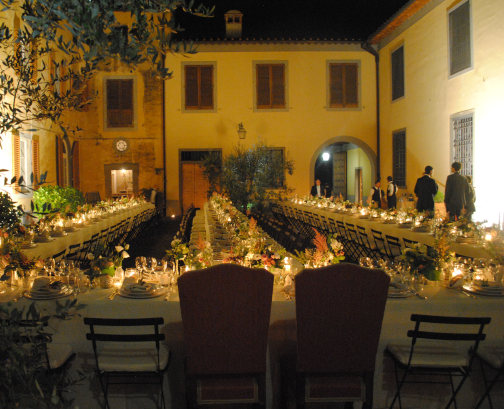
pixel 459 193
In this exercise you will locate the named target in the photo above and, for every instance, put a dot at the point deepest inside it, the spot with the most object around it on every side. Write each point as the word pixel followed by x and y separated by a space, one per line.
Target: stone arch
pixel 371 155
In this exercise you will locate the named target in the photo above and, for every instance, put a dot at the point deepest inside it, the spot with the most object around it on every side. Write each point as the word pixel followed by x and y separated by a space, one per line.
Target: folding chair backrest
pixel 439 328
pixel 98 332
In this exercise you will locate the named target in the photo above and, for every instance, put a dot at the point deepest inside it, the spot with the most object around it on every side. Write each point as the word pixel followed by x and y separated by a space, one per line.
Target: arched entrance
pixel 347 165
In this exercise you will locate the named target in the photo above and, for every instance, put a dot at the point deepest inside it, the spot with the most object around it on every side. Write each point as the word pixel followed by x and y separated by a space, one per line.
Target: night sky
pixel 284 19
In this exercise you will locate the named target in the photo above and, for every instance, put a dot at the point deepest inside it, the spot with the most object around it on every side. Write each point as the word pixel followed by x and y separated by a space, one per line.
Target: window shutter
pixel 191 86
pixel 398 73
pixel 460 39
pixel 336 85
pixel 16 157
pixel 351 93
pixel 119 103
pixel 263 86
pixel 35 161
pixel 75 165
pixel 278 86
pixel 399 157
pixel 206 87
pixel 60 149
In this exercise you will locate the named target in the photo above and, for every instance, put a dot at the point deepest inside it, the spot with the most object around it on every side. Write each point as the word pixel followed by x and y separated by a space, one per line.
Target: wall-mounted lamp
pixel 326 156
pixel 242 132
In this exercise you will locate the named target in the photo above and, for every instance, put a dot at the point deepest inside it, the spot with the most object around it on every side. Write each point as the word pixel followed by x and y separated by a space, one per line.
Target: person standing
pixel 425 190
pixel 391 193
pixel 376 194
pixel 456 192
pixel 471 199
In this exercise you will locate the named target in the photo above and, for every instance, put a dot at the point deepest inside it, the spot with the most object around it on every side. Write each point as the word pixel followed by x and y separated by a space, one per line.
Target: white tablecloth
pixel 282 337
pixel 468 250
pixel 45 250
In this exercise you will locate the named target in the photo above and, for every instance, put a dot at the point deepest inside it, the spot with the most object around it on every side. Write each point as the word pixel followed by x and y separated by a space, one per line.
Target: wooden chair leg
pixel 369 385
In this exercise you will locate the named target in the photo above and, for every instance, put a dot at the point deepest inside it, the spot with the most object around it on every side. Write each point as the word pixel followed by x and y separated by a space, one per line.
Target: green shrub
pixel 9 214
pixel 56 198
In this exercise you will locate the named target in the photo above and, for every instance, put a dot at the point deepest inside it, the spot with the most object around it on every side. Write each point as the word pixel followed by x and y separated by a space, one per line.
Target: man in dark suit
pixel 318 190
pixel 456 192
pixel 425 190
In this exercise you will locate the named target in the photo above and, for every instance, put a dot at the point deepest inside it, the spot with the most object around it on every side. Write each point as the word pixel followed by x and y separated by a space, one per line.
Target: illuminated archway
pixel 369 154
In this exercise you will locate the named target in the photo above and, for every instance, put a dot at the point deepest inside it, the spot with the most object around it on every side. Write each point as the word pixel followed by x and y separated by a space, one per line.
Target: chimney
pixel 233 19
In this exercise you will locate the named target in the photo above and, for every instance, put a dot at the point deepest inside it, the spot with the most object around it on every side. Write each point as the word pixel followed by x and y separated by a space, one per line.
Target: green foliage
pixel 80 37
pixel 212 169
pixel 439 197
pixel 251 176
pixel 9 213
pixel 25 381
pixel 56 198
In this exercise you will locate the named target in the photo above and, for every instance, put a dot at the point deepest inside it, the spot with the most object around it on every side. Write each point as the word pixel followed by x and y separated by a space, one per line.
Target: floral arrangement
pixel 177 252
pixel 12 259
pixel 201 256
pixel 327 251
pixel 423 260
pixel 106 265
pixel 249 241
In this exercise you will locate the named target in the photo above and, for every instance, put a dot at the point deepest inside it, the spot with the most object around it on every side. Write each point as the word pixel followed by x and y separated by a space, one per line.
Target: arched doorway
pixel 347 166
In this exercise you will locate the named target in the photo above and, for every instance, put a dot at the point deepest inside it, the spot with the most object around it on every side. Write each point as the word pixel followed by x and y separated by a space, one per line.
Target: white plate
pixel 496 292
pixel 394 292
pixel 156 293
pixel 29 246
pixel 65 292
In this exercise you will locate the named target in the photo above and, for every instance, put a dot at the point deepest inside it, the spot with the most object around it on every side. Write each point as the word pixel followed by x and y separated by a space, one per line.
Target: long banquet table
pixel 282 339
pixel 57 244
pixel 464 249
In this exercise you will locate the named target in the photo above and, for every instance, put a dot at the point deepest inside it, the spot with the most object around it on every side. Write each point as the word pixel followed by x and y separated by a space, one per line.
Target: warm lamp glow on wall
pixel 242 132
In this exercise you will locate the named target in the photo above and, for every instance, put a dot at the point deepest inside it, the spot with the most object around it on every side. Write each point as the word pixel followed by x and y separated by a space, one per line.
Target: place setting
pixel 45 288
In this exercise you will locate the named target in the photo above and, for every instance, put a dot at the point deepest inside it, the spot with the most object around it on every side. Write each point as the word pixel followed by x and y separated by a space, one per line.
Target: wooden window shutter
pixel 60 149
pixel 398 73
pixel 191 86
pixel 75 165
pixel 16 157
pixel 278 86
pixel 343 85
pixel 263 86
pixel 119 103
pixel 336 85
pixel 35 161
pixel 460 38
pixel 351 86
pixel 206 87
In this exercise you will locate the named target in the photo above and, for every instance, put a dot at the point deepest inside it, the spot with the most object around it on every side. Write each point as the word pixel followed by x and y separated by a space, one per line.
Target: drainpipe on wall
pixel 163 134
pixel 367 47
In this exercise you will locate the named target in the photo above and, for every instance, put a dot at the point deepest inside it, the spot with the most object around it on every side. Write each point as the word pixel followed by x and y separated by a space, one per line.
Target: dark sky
pixel 335 19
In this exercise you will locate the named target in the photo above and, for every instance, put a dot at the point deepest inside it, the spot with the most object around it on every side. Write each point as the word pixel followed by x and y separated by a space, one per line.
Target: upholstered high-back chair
pixel 225 313
pixel 339 313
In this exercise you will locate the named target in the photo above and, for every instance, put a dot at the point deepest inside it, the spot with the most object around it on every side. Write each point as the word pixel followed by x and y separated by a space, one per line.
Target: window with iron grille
pixel 199 88
pixel 343 85
pixel 399 157
pixel 462 142
pixel 270 86
pixel 398 73
pixel 120 103
pixel 459 22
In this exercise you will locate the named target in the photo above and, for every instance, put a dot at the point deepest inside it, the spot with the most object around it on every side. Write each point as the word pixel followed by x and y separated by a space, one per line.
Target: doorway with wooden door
pixel 194 184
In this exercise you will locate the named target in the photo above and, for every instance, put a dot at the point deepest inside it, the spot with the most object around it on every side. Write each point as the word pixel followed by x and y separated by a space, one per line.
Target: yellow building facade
pixel 306 127
pixel 435 98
